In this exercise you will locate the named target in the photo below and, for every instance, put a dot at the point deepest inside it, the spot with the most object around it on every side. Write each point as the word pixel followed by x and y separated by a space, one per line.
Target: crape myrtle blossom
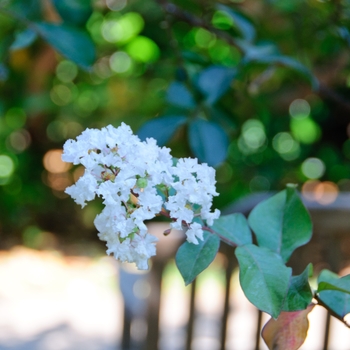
pixel 138 181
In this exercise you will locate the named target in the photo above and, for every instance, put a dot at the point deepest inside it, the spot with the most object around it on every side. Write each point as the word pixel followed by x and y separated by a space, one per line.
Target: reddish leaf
pixel 289 331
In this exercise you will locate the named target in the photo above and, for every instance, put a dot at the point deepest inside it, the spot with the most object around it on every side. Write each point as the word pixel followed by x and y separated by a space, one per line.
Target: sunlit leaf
pixel 299 293
pixel 73 43
pixel 213 152
pixel 191 259
pixel 289 331
pixel 335 292
pixel 264 278
pixel 214 81
pixel 233 228
pixel 281 223
pixel 161 129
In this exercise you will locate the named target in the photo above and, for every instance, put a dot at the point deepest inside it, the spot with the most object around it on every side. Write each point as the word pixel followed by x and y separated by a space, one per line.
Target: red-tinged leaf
pixel 289 331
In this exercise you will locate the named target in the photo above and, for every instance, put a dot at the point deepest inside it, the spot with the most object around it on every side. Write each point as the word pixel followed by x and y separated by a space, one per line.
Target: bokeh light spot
pixel 143 49
pixel 18 141
pixel 53 163
pixel 286 146
pixel 120 62
pixel 322 192
pixel 299 109
pixel 7 166
pixel 66 71
pixel 56 131
pixel 222 53
pixel 204 38
pixel 88 101
pixel 326 192
pixel 116 5
pixel 102 68
pixel 15 118
pixel 78 173
pixel 221 20
pixel 59 181
pixel 61 95
pixel 308 189
pixel 253 133
pixel 313 168
pixel 305 130
pixel 94 26
pixel 73 129
pixel 116 29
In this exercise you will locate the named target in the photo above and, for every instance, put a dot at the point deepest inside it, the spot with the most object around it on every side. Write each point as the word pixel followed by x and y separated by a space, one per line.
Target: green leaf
pixel 179 95
pixel 192 259
pixel 214 81
pixel 257 53
pixel 267 53
pixel 75 12
pixel 23 39
pixel 337 298
pixel 328 286
pixel 200 133
pixel 245 27
pixel 161 129
pixel 233 228
pixel 264 278
pixel 299 293
pixel 289 331
pixel 281 223
pixel 71 42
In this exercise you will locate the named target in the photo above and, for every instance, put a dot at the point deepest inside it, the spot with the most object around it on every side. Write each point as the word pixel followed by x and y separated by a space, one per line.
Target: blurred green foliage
pixel 258 89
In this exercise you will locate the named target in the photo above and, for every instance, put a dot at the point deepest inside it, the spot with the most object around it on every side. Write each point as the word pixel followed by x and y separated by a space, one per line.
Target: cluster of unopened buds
pixel 138 181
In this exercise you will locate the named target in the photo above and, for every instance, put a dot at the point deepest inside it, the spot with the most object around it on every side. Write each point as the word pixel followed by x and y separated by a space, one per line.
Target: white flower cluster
pixel 137 181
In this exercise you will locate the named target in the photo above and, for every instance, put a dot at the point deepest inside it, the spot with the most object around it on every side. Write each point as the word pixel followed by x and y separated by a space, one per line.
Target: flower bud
pixel 142 182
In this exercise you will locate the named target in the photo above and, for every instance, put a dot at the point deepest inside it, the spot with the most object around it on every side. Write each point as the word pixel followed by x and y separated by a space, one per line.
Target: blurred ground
pixel 53 302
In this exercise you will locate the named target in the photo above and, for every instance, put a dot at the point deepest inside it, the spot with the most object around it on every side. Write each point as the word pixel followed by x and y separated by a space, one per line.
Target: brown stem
pixel 222 238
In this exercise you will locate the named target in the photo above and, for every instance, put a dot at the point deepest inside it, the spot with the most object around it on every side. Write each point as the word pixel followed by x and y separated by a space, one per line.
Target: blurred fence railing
pixel 328 248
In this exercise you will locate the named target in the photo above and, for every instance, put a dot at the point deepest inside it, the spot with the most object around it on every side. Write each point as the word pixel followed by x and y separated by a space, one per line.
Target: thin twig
pixel 222 238
pixel 196 21
pixel 332 313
